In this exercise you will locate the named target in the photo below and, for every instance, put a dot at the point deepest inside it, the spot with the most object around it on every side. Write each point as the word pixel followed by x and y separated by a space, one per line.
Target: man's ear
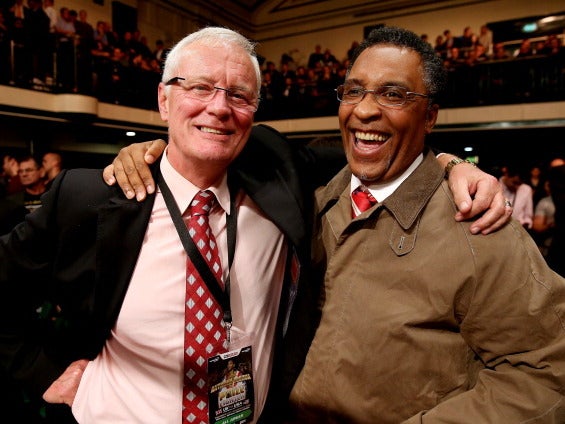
pixel 163 97
pixel 431 117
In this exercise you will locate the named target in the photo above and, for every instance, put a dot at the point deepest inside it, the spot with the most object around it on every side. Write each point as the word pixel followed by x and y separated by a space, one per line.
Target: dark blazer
pixel 79 250
pixel 12 211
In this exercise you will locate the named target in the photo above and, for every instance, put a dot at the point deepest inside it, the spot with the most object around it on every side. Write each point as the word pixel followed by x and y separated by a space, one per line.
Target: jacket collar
pixel 121 229
pixel 266 171
pixel 405 204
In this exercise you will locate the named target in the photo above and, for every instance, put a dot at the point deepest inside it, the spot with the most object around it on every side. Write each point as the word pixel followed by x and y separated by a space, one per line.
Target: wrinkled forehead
pixel 215 58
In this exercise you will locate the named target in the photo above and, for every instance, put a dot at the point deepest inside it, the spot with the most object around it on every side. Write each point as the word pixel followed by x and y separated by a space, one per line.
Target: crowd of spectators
pixel 295 90
pixel 23 179
pixel 59 50
pixel 51 49
pixel 536 193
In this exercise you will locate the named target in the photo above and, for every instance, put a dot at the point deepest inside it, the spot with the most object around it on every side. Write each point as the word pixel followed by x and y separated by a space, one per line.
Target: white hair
pixel 212 36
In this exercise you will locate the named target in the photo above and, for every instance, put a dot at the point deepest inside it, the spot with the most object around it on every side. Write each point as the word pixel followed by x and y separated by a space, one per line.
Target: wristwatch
pixel 456 161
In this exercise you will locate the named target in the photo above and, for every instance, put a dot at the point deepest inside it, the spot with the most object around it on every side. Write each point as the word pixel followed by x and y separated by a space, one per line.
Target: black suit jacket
pixel 79 250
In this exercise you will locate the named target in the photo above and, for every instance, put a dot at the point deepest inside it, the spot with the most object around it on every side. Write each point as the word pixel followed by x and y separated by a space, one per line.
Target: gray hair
pixel 212 37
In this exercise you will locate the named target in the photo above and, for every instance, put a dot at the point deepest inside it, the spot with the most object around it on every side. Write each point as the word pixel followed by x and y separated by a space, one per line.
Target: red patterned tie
pixel 204 333
pixel 363 199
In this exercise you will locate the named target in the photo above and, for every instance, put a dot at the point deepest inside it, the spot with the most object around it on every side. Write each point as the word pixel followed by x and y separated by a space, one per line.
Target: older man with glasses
pixel 151 299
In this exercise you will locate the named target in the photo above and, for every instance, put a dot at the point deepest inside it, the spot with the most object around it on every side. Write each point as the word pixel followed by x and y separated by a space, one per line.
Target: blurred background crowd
pixel 59 50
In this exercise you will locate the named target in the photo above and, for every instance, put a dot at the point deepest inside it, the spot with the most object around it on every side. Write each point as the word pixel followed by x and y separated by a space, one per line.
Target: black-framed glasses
pixel 388 95
pixel 238 98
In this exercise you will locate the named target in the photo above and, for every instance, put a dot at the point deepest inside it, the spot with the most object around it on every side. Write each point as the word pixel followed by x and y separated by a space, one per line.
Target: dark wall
pixel 524 146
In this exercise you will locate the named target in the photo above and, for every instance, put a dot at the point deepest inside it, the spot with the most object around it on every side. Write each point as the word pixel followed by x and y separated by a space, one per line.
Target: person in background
pixel 525 49
pixel 51 12
pixel 37 30
pixel 52 163
pixel 316 58
pixel 536 181
pixel 499 52
pixel 544 221
pixel 416 320
pixel 15 207
pixel 519 194
pixel 160 52
pixel 556 251
pixel 11 180
pixel 544 210
pixel 485 39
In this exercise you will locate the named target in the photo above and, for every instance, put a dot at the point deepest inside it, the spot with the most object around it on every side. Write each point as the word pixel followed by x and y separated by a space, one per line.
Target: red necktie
pixel 204 334
pixel 363 199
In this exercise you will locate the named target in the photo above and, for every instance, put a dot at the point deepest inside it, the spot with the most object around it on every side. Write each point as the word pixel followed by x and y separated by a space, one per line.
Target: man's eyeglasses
pixel 236 97
pixel 388 95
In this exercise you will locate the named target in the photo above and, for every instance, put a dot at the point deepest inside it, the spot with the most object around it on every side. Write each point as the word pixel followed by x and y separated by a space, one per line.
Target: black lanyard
pixel 223 297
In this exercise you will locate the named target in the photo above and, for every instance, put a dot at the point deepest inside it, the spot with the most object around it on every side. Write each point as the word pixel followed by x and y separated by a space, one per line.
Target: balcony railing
pixel 509 81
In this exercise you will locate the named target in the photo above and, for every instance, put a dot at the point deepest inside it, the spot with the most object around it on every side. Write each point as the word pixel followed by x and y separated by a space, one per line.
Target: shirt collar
pixel 184 191
pixel 382 191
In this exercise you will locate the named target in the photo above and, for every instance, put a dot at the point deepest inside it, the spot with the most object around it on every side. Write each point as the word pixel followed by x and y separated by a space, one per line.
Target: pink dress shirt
pixel 137 378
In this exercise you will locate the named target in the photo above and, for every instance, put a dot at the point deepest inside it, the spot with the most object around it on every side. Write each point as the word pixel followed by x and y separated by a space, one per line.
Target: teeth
pixel 212 130
pixel 370 136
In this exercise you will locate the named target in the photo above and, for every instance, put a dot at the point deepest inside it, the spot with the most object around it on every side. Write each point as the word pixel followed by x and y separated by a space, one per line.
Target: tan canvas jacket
pixel 424 322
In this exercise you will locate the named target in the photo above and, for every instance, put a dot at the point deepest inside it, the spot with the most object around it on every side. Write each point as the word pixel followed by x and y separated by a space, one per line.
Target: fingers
pixel 461 195
pixel 131 170
pixel 64 389
pixel 155 150
pixel 476 192
pixel 495 218
pixel 108 175
pixel 490 200
pixel 472 189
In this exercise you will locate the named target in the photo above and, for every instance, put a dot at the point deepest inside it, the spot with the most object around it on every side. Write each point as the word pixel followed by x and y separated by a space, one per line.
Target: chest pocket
pixel 402 241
